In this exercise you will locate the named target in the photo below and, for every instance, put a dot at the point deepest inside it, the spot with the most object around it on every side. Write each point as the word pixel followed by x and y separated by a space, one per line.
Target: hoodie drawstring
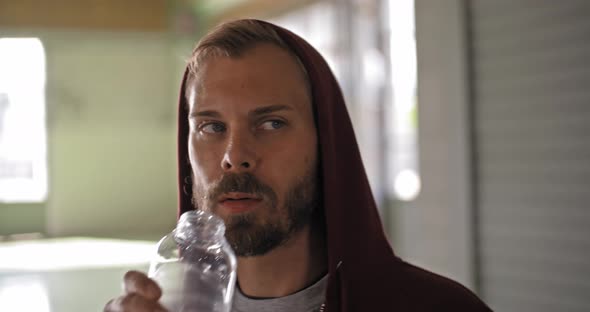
pixel 334 282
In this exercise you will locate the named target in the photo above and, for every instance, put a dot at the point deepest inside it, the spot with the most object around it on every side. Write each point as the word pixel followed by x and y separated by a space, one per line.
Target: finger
pixel 136 282
pixel 133 303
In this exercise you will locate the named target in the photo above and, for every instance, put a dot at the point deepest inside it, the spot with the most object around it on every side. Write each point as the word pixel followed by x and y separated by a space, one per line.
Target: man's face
pixel 253 147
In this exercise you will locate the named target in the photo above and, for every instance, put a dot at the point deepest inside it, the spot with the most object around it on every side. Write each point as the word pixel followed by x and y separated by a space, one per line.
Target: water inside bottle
pixel 192 288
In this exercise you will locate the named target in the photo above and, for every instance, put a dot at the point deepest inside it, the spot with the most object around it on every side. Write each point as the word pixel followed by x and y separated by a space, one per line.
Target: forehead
pixel 263 74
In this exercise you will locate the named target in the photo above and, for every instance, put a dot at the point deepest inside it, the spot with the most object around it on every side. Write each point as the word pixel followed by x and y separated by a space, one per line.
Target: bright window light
pixel 23 164
pixel 404 125
pixel 23 295
pixel 407 185
pixel 73 253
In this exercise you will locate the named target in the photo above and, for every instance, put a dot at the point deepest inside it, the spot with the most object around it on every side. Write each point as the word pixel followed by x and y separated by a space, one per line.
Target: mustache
pixel 243 183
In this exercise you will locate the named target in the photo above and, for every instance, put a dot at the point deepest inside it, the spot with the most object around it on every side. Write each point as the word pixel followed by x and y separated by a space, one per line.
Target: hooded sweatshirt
pixel 364 274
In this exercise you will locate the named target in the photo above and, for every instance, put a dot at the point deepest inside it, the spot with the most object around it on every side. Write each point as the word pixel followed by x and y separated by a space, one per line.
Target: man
pixel 265 142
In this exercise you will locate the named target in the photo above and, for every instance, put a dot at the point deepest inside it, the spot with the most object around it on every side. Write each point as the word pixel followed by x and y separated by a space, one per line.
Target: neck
pixel 286 269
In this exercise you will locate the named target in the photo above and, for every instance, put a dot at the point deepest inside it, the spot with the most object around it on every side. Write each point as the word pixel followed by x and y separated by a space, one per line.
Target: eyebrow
pixel 269 109
pixel 255 113
pixel 207 113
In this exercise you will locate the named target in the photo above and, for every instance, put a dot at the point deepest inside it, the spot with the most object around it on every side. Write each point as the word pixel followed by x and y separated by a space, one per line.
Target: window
pixel 23 164
pixel 358 61
pixel 404 125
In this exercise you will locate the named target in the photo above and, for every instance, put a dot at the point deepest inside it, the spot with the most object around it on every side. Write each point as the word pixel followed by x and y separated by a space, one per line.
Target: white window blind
pixel 531 63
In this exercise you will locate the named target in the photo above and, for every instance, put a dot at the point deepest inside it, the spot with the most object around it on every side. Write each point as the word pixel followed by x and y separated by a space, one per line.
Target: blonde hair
pixel 233 39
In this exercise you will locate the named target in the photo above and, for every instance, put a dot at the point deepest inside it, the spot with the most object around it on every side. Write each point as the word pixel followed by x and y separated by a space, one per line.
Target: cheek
pixel 204 161
pixel 308 152
pixel 290 163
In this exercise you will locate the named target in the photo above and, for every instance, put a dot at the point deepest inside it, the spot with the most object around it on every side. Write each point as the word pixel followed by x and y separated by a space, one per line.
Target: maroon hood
pixel 364 273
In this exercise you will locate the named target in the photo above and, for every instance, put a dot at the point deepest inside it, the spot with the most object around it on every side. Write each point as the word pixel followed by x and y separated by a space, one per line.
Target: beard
pixel 246 233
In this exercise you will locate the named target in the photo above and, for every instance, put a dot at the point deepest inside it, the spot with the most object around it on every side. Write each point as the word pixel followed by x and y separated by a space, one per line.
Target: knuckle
pixel 139 283
pixel 129 300
pixel 135 302
pixel 134 280
pixel 132 276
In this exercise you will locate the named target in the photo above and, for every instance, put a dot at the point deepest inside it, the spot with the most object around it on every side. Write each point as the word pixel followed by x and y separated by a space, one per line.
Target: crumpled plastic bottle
pixel 195 266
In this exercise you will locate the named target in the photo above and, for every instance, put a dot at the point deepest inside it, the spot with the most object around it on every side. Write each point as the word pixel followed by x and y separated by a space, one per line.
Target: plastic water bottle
pixel 195 266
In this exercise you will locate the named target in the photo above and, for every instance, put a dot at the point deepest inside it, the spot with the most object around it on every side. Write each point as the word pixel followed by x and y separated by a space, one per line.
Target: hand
pixel 141 295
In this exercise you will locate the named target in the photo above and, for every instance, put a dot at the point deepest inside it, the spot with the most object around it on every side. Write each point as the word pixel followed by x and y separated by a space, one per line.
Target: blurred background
pixel 473 119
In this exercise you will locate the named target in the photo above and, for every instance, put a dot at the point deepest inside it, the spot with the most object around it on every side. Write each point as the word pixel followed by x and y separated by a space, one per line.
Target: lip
pixel 236 202
pixel 237 196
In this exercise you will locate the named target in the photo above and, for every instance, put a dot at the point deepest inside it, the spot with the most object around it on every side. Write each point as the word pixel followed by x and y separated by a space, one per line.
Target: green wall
pixel 111 118
pixel 22 218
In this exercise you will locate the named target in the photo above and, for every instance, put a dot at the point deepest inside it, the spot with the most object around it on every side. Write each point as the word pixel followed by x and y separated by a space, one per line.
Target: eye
pixel 272 124
pixel 212 127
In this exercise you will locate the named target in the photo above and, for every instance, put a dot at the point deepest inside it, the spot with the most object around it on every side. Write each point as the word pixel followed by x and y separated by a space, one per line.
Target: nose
pixel 239 155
